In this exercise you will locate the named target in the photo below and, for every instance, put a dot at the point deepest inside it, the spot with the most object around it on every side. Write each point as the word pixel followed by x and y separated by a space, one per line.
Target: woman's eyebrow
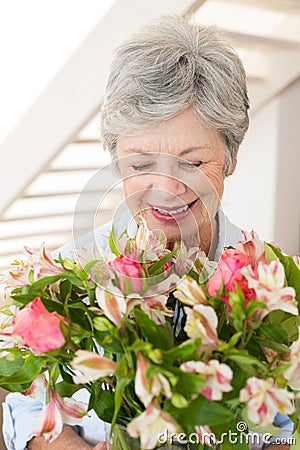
pixel 144 152
pixel 194 149
pixel 140 151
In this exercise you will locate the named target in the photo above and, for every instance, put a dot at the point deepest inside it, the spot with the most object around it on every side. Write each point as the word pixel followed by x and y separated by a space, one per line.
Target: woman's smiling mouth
pixel 167 213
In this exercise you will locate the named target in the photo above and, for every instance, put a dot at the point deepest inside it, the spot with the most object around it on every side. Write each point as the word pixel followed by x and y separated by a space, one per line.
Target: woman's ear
pixel 233 166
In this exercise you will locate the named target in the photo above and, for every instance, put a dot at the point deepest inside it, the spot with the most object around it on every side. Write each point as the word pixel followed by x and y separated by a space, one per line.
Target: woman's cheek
pixel 213 180
pixel 135 191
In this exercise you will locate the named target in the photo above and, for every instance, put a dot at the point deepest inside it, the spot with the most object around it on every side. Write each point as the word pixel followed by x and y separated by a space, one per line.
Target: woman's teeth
pixel 172 211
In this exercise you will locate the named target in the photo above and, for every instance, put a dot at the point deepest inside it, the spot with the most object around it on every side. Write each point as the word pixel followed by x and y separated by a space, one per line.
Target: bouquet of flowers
pixel 172 348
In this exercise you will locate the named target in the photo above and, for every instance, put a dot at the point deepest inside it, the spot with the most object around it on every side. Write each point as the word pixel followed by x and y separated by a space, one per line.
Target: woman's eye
pixel 141 167
pixel 191 165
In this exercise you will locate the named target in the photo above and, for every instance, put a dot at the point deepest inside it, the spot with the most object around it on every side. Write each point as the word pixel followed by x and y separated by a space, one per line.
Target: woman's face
pixel 173 175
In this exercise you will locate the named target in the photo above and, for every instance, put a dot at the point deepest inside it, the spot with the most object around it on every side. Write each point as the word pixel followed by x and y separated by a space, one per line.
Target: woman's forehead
pixel 182 134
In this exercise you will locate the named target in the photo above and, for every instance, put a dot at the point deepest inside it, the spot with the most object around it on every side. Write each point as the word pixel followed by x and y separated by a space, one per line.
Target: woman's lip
pixel 171 217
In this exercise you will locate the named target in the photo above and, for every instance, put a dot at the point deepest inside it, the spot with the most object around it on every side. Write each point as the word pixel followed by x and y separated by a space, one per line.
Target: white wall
pixel 263 194
pixel 287 208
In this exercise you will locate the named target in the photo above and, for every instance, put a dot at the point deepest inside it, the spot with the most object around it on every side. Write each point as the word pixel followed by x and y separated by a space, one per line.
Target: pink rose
pixel 229 274
pixel 128 266
pixel 38 328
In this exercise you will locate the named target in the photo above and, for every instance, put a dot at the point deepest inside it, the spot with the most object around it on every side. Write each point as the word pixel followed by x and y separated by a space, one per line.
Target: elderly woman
pixel 174 116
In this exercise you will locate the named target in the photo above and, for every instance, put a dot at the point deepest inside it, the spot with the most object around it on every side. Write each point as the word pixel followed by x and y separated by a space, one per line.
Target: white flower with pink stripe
pixel 265 399
pixel 217 376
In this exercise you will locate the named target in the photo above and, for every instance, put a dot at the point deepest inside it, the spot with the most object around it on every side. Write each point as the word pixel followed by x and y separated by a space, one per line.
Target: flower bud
pixel 179 401
pixel 103 324
pixel 156 356
pixel 68 264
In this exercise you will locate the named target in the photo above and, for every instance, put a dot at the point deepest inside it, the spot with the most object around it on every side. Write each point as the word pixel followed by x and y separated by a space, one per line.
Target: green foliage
pixel 159 336
pixel 202 411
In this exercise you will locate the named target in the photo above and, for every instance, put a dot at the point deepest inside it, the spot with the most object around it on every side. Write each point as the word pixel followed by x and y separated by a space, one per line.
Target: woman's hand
pixel 68 439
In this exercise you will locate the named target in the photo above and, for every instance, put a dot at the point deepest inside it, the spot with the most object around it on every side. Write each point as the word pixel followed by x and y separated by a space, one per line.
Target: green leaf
pixel 157 335
pixel 102 401
pixel 67 377
pixel 46 281
pixel 253 306
pixel 13 387
pixel 23 299
pixel 109 342
pixel 189 383
pixel 78 305
pixel 203 411
pixel 89 266
pixel 158 265
pixel 66 389
pixel 31 368
pixel 182 351
pixel 244 359
pixel 273 332
pixel 237 313
pixel 281 348
pixel 276 316
pixel 118 397
pixel 270 255
pixel 10 366
pixel 291 325
pixel 53 306
pixel 112 242
pixel 231 343
pixel 65 290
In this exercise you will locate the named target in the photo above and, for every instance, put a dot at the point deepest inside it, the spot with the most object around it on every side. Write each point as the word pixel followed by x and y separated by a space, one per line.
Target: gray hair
pixel 170 65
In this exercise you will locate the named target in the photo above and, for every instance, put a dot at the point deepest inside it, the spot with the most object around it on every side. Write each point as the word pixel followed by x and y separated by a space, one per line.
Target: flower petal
pixel 92 366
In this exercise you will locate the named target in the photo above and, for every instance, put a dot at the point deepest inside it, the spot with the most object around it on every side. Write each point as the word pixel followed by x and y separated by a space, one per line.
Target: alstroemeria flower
pixel 206 436
pixel 151 242
pixel 154 306
pixel 148 387
pixel 92 366
pixel 128 266
pixel 190 293
pixel 72 411
pixel 59 410
pixel 150 424
pixel 202 322
pixel 268 283
pixel 43 263
pixel 49 422
pixel 265 399
pixel 18 275
pixel 37 387
pixel 292 374
pixel 217 377
pixel 38 328
pixel 185 259
pixel 252 246
pixel 112 303
pixel 38 264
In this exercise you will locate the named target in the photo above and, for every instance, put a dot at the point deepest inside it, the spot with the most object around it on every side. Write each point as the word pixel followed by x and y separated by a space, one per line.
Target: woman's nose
pixel 168 184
